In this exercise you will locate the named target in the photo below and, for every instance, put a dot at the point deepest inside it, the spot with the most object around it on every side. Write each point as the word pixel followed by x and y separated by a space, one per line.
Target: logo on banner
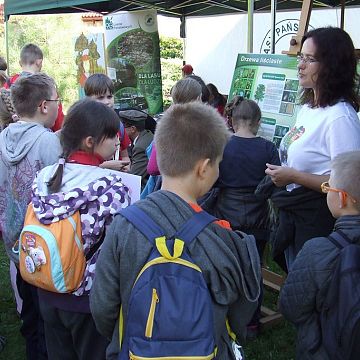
pixel 284 30
pixel 109 25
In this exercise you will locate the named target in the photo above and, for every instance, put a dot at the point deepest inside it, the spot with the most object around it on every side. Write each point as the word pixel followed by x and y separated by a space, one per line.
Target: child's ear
pixel 203 166
pixel 43 107
pixel 88 143
pixel 343 200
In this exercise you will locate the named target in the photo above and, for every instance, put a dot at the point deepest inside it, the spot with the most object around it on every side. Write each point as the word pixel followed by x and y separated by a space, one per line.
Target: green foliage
pixel 170 73
pixel 53 35
pixel 171 48
pixel 9 321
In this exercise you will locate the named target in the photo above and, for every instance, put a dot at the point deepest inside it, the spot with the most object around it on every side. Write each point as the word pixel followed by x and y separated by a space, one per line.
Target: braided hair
pixel 7 111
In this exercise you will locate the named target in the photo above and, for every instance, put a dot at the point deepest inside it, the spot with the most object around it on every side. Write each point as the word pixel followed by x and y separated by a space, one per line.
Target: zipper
pixel 208 357
pixel 150 320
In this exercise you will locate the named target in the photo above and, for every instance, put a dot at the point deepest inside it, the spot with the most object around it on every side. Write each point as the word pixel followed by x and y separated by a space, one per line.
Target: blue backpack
pixel 340 317
pixel 170 312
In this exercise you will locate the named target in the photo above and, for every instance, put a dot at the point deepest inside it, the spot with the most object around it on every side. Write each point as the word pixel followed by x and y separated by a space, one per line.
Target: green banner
pixel 133 59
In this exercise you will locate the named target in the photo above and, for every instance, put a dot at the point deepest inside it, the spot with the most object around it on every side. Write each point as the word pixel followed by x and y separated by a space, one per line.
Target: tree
pixel 260 93
pixel 53 34
pixel 171 48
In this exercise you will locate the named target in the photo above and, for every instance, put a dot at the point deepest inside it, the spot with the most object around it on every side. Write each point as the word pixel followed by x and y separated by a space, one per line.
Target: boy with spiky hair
pixel 190 140
pixel 303 295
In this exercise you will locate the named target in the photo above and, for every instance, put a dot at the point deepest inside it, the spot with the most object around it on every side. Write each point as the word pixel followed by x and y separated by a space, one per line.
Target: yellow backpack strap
pixel 230 332
pixel 121 326
pixel 164 251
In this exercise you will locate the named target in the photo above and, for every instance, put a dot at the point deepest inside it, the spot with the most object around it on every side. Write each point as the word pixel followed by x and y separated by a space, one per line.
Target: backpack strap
pixel 142 222
pixel 194 226
pixel 155 234
pixel 339 239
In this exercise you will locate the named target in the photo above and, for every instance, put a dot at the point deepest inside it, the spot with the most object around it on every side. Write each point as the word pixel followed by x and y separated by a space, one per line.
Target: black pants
pixel 32 328
pixel 71 335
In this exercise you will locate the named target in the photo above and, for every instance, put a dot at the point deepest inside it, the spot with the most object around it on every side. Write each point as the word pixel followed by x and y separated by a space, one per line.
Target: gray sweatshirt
pixel 25 148
pixel 229 263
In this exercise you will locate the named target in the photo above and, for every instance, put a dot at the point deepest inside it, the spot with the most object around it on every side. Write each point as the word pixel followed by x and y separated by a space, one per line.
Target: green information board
pixel 271 81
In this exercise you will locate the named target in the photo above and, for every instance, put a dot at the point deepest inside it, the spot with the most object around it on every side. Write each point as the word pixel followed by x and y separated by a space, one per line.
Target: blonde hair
pixel 345 172
pixel 186 134
pixel 186 90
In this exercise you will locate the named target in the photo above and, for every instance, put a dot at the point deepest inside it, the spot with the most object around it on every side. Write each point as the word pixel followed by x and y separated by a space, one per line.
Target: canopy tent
pixel 171 8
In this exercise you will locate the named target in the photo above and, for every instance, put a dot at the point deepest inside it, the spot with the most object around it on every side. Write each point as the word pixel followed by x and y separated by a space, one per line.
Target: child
pixel 241 170
pixel 303 294
pixel 26 146
pixel 100 87
pixel 229 264
pixel 88 137
pixel 31 61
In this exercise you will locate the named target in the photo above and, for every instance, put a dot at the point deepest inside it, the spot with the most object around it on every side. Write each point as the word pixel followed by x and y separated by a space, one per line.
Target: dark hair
pixel 217 98
pixel 205 94
pixel 3 64
pixel 28 92
pixel 30 53
pixel 337 74
pixel 244 111
pixel 85 118
pixel 98 84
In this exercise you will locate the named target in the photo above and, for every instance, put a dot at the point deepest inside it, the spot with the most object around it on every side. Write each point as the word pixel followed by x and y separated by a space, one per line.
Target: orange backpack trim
pixel 51 256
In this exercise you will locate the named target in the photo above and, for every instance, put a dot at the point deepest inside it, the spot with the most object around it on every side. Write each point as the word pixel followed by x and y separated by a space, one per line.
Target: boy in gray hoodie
pixel 26 146
pixel 190 139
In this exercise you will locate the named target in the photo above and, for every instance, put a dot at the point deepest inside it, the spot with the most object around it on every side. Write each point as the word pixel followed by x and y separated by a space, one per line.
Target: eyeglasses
pixel 325 188
pixel 305 59
pixel 58 100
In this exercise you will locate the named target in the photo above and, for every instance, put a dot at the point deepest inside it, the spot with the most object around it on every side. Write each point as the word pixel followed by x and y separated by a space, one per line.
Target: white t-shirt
pixel 319 135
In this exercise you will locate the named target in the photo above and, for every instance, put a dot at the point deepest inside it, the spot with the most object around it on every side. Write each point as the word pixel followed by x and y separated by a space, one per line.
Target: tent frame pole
pixel 273 24
pixel 250 32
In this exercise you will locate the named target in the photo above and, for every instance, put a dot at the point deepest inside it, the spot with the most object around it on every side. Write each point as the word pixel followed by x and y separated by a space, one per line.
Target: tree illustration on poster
pixel 133 54
pixel 260 93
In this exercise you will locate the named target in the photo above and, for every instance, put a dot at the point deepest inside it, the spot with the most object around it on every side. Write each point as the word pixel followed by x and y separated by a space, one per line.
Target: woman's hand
pixel 280 175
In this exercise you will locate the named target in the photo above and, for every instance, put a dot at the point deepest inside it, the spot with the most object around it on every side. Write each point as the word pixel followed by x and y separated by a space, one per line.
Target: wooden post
pixel 295 42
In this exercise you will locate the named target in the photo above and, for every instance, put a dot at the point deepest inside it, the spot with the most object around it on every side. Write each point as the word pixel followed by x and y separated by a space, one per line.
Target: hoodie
pixel 25 148
pixel 229 263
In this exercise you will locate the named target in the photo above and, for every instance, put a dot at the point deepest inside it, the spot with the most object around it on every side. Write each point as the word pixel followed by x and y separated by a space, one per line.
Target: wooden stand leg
pixel 273 281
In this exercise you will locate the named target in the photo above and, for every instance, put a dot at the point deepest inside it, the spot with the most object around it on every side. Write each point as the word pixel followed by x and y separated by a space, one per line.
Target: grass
pixel 277 343
pixel 9 320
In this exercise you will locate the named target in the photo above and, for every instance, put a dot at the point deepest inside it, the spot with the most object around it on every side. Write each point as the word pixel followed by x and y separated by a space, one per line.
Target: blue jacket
pixel 303 294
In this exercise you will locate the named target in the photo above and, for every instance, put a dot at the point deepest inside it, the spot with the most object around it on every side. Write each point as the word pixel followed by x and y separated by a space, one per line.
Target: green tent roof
pixel 171 8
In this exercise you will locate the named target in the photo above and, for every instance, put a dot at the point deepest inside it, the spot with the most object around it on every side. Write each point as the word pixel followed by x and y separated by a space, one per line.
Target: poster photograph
pixel 133 59
pixel 89 57
pixel 271 81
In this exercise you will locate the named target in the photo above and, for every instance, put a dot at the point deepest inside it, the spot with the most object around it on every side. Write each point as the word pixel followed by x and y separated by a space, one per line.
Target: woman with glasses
pixel 326 126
